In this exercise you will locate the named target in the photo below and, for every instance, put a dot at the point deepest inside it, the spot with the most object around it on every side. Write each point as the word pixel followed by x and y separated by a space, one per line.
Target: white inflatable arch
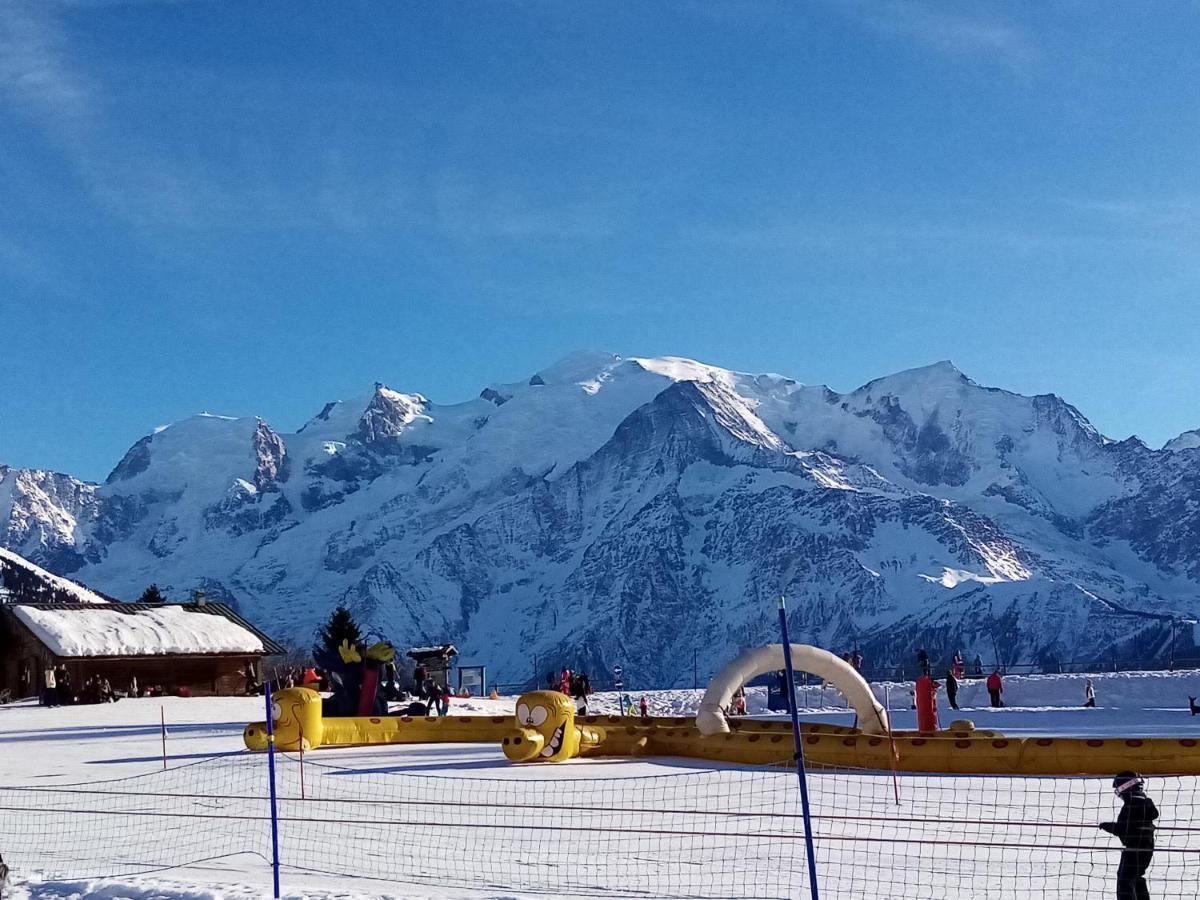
pixel 711 720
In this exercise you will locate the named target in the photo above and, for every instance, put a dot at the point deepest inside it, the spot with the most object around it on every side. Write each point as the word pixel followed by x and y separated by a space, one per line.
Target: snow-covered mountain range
pixel 640 510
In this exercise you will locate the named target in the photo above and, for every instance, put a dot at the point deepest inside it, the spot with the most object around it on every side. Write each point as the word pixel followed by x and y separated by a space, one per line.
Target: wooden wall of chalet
pixel 20 651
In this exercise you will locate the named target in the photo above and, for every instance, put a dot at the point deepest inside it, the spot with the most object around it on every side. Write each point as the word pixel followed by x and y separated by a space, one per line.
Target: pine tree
pixel 152 595
pixel 340 627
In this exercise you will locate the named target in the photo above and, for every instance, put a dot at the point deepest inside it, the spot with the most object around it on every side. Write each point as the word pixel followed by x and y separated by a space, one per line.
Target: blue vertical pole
pixel 800 770
pixel 271 770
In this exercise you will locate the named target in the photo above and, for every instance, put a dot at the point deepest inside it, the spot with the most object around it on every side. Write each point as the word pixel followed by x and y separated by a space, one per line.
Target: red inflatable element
pixel 927 716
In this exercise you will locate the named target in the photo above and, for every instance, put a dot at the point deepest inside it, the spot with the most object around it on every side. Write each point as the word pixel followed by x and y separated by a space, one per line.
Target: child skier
pixel 1135 828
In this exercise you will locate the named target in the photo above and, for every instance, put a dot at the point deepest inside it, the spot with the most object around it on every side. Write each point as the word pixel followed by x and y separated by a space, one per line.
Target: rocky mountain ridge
pixel 649 510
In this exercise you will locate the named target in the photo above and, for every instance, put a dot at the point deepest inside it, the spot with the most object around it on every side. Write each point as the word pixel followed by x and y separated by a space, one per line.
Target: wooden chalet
pixel 200 648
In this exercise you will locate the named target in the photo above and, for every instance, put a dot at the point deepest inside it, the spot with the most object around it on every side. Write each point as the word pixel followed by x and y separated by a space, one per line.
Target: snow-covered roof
pixel 118 630
pixel 438 650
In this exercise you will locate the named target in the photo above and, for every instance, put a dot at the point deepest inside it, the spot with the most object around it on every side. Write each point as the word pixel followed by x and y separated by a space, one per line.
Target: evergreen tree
pixel 152 595
pixel 340 627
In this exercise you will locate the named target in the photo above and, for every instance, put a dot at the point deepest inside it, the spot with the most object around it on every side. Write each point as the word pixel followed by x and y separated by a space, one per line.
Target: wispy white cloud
pixel 1149 225
pixel 1164 216
pixel 465 207
pixel 950 28
pixel 36 73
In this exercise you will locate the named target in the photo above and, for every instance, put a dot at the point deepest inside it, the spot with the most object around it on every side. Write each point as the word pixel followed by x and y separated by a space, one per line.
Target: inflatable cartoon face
pixel 545 729
pixel 297 716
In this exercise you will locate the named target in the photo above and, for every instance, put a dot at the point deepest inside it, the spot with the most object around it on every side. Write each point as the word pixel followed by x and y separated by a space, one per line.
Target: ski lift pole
pixel 271 779
pixel 801 773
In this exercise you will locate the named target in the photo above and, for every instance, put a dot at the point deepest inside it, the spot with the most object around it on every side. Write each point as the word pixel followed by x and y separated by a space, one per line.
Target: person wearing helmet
pixel 1135 828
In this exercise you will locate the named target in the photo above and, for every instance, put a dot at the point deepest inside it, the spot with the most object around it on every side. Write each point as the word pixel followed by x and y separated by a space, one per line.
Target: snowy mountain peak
pixel 578 367
pixel 934 381
pixel 1189 440
pixel 388 415
pixel 634 508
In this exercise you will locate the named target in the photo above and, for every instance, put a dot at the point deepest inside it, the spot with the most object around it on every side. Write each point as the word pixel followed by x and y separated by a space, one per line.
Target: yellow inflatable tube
pixel 546 730
pixel 299 723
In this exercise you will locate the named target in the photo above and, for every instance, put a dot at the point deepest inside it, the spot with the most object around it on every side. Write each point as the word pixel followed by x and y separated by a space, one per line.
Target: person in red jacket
pixel 645 708
pixel 995 687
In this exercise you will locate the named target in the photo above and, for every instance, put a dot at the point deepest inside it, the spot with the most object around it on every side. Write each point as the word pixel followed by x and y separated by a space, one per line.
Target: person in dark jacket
pixel 581 689
pixel 1135 828
pixel 923 661
pixel 952 688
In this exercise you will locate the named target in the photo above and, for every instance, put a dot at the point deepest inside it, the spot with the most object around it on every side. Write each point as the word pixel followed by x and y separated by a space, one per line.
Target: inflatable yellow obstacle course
pixel 545 728
pixel 299 724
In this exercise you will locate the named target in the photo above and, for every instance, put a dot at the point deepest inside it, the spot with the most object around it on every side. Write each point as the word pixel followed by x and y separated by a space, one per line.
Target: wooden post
pixel 301 762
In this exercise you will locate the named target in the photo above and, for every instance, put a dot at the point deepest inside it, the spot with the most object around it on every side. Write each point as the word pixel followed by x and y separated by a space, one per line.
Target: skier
pixel 564 682
pixel 956 665
pixel 443 701
pixel 952 688
pixel 1089 693
pixel 923 661
pixel 977 666
pixel 995 687
pixel 1135 828
pixel 856 660
pixel 645 707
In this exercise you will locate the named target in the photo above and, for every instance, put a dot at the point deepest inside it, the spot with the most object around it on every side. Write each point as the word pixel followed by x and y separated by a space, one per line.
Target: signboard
pixel 472 679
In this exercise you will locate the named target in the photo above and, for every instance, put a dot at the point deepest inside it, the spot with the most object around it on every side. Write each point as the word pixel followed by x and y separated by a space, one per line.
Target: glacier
pixel 648 512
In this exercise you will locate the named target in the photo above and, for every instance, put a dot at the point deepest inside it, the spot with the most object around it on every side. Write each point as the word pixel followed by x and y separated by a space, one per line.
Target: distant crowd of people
pixel 427 696
pixel 994 683
pixel 59 689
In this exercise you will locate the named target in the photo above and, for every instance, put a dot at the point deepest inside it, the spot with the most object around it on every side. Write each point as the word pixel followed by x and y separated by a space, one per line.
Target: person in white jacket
pixel 50 683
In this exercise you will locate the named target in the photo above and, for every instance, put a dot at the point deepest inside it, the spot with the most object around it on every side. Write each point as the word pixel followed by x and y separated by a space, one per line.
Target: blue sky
pixel 252 208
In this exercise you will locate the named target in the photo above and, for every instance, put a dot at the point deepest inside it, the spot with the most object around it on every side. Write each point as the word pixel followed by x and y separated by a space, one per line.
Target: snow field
pixel 442 821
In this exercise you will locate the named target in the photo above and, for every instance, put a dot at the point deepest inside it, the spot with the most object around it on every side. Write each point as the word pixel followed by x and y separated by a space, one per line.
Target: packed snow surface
pixel 153 632
pixel 86 748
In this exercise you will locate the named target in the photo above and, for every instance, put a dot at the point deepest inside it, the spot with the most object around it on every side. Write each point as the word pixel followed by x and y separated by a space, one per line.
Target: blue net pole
pixel 271 770
pixel 800 770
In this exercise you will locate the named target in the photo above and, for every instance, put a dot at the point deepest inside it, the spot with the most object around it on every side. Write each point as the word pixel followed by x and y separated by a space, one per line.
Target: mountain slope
pixel 640 510
pixel 23 582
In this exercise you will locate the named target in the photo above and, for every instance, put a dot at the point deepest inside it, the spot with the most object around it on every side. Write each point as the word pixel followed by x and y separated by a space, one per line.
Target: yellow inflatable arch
pixel 710 718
